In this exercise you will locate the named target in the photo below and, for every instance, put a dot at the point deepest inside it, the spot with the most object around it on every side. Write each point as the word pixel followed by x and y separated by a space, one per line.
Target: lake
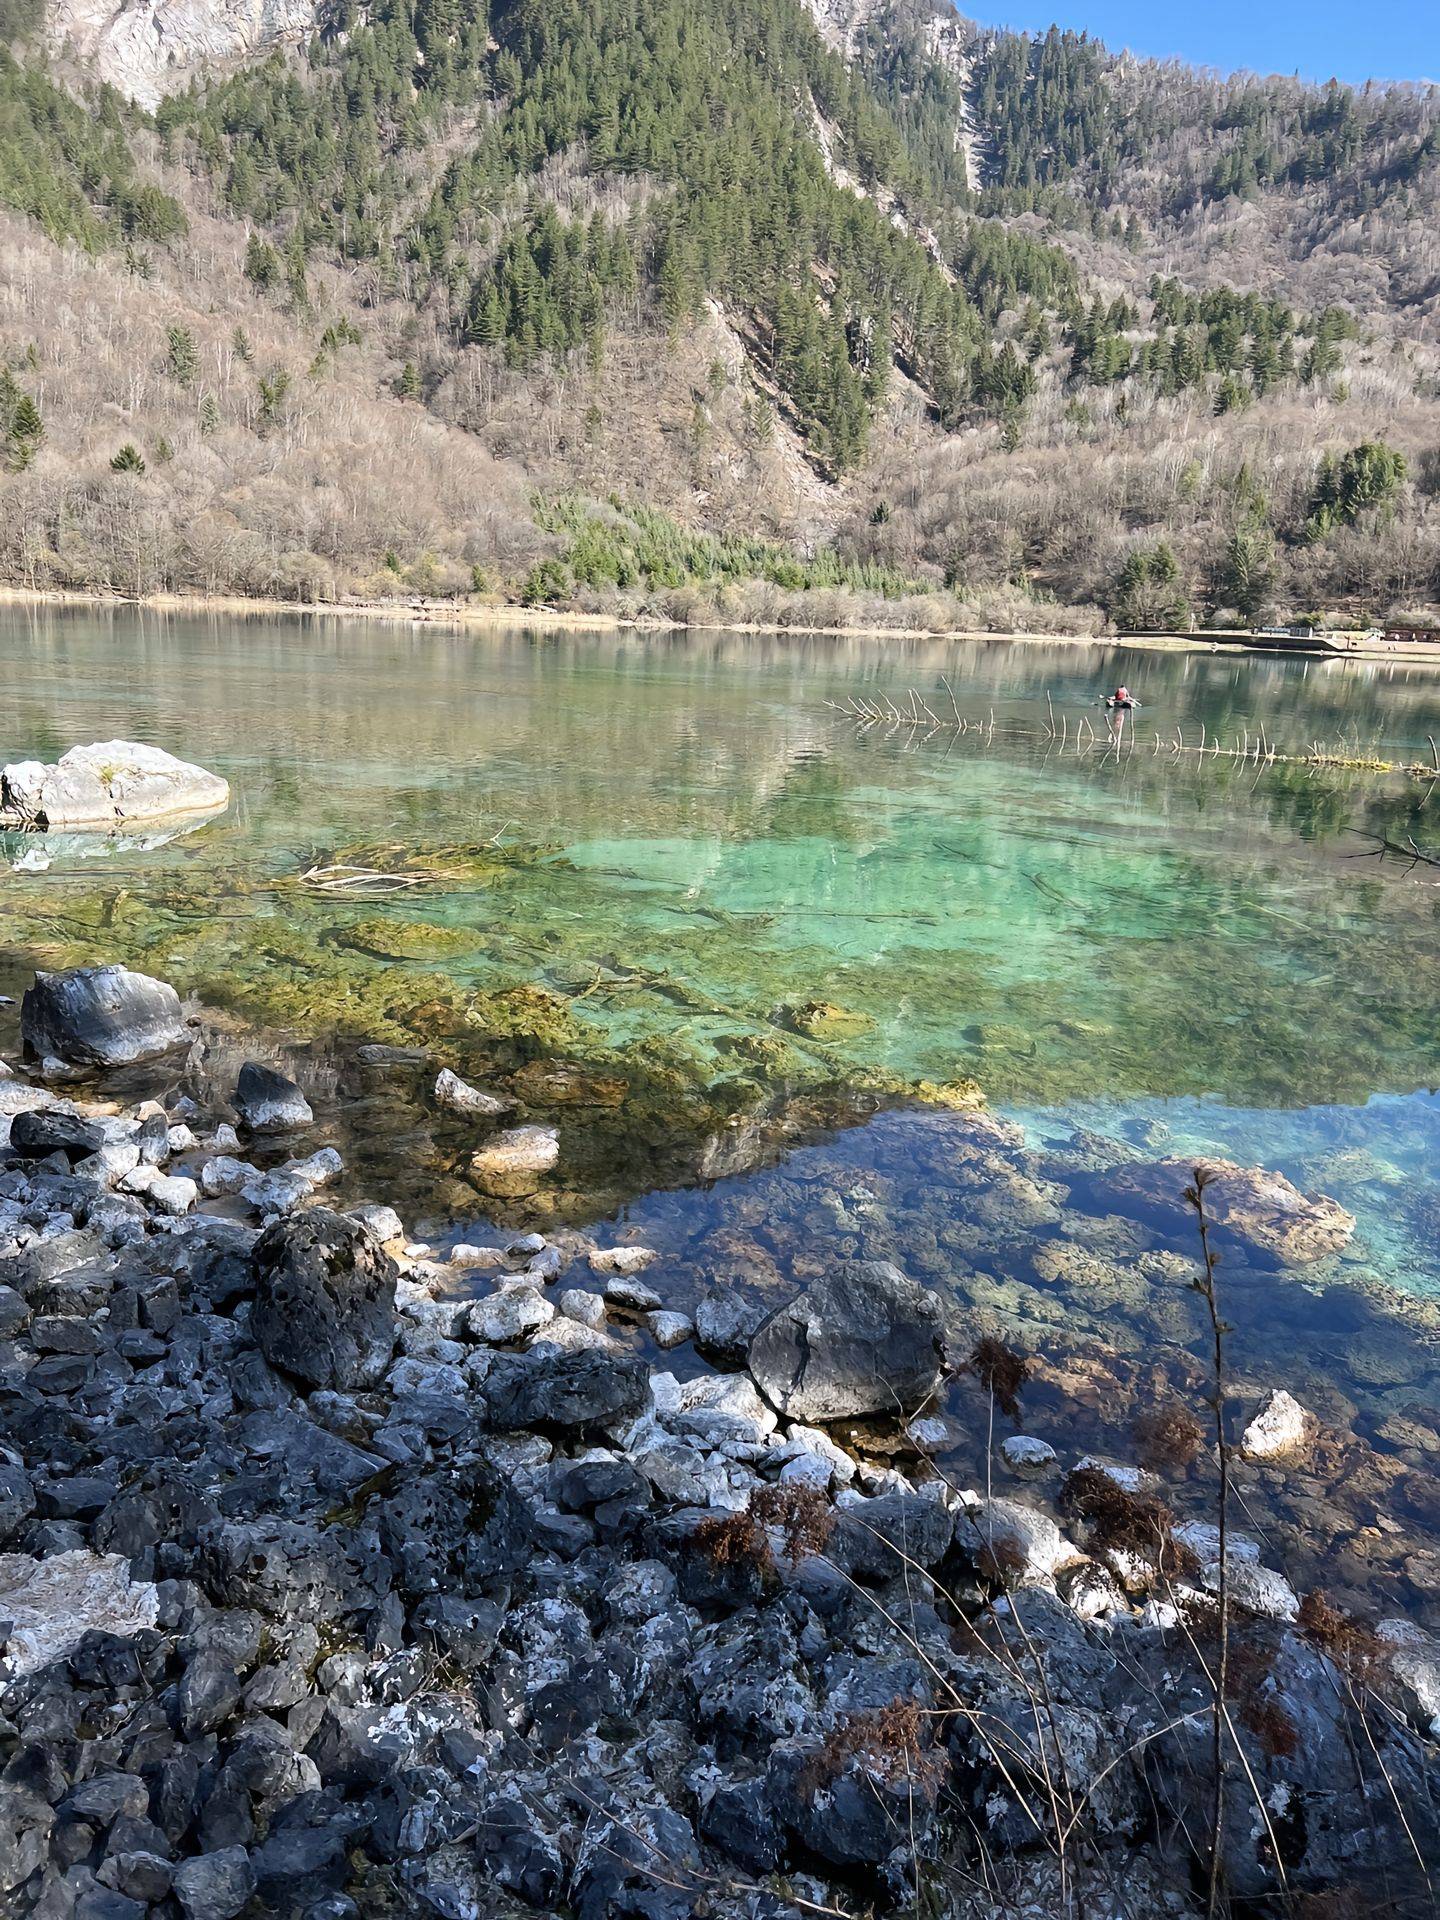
pixel 755 924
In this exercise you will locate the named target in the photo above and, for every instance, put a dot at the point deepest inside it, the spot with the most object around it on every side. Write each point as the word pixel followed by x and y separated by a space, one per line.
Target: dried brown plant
pixel 1001 1371
pixel 733 1540
pixel 1001 1561
pixel 1167 1438
pixel 1246 1682
pixel 1136 1523
pixel 891 1743
pixel 1350 1643
pixel 803 1515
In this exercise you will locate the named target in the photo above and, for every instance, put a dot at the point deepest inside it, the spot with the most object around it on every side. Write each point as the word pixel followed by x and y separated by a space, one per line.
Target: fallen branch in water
pixel 1406 849
pixel 343 879
pixel 1257 749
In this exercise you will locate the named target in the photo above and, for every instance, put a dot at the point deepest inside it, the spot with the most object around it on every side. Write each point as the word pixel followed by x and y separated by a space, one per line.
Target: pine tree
pixel 1248 572
pixel 128 460
pixel 1148 593
pixel 180 359
pixel 262 263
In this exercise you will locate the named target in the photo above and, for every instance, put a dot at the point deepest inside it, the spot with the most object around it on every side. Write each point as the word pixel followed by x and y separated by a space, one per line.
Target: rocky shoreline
pixel 341 1573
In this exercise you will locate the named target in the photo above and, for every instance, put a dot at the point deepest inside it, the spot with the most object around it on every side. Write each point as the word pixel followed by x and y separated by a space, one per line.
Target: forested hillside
pixel 715 306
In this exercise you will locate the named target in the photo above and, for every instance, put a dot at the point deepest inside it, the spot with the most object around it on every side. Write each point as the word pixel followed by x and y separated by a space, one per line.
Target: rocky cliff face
pixel 151 47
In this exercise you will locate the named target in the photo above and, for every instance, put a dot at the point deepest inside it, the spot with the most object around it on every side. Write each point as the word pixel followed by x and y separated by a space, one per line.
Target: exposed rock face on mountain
pixel 109 784
pixel 153 48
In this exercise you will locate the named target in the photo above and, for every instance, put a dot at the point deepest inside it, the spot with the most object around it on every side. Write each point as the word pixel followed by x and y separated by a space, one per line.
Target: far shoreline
pixel 421 612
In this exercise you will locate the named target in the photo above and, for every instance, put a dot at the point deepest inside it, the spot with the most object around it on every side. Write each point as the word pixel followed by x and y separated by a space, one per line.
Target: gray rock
pixel 99 1017
pixel 670 1329
pixel 17 1500
pixel 587 1309
pixel 109 784
pixel 725 1323
pixel 292 1572
pixel 865 1339
pixel 460 1097
pixel 172 1192
pixel 1007 1539
pixel 324 1308
pixel 139 1874
pixel 510 1314
pixel 881 1538
pixel 214 1886
pixel 224 1174
pixel 571 1390
pixel 382 1223
pixel 37 1134
pixel 267 1102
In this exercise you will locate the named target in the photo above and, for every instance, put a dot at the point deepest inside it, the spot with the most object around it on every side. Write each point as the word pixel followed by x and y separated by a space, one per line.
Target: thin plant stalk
pixel 1205 1287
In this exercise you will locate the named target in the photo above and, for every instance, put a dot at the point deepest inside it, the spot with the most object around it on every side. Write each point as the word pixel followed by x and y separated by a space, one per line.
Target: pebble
pixel 586 1308
pixel 1280 1427
pixel 633 1294
pixel 1027 1455
pixel 670 1329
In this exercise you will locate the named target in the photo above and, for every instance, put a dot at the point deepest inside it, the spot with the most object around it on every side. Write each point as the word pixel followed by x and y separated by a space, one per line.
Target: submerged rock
pixel 1281 1427
pixel 460 1097
pixel 267 1102
pixel 1027 1456
pixel 865 1339
pixel 1264 1211
pixel 821 1020
pixel 99 1017
pixel 515 1161
pixel 1414 1658
pixel 410 939
pixel 108 784
pixel 324 1308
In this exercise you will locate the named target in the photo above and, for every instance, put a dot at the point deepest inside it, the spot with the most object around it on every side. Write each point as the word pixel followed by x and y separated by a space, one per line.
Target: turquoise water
pixel 673 844
pixel 1060 927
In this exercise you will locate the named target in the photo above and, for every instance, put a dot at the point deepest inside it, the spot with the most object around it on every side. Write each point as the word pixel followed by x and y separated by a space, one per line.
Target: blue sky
pixel 1352 39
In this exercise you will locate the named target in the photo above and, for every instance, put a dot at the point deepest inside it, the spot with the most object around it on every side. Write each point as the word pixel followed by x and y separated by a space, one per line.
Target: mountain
pixel 710 308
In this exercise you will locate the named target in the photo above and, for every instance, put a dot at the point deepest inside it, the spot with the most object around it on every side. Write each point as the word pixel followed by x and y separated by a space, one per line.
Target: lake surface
pixel 683 839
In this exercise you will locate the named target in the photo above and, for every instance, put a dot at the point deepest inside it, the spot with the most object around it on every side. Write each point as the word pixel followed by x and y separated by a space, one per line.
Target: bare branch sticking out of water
pixel 1406 849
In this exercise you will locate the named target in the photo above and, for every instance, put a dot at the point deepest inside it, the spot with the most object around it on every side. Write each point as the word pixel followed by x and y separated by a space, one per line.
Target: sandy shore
pixel 481 616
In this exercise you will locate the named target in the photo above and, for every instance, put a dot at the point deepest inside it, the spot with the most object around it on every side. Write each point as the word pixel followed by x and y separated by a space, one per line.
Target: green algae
pixel 409 939
pixel 820 1020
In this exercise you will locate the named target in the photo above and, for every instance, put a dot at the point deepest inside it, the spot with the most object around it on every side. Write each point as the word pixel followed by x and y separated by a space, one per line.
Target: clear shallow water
pixel 990 906
pixel 1182 959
